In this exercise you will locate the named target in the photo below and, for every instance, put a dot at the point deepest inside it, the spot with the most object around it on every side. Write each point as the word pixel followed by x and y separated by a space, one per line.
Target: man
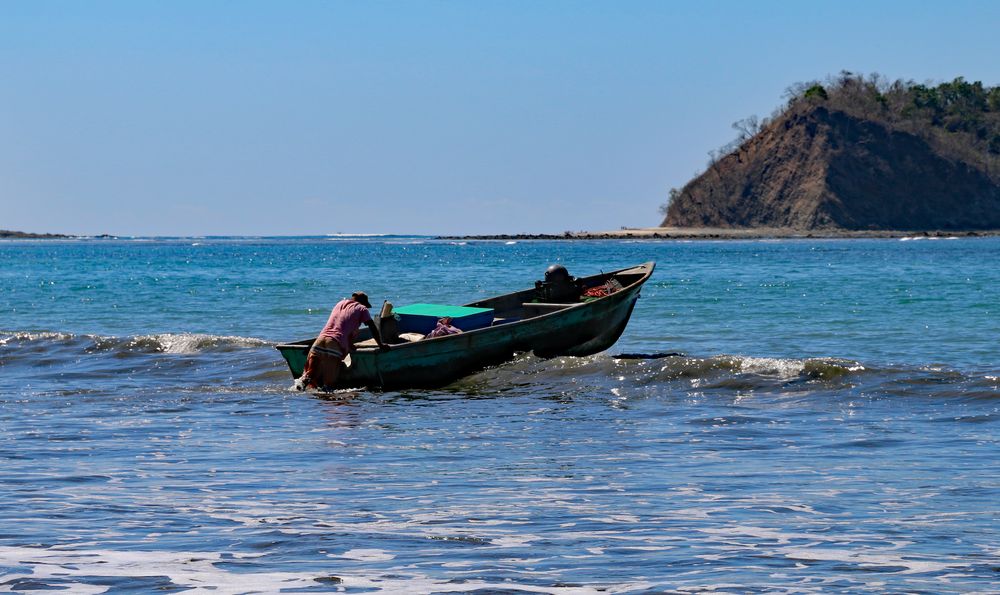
pixel 334 342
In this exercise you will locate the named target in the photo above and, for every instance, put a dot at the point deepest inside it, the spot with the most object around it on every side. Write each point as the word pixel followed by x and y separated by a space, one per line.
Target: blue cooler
pixel 422 318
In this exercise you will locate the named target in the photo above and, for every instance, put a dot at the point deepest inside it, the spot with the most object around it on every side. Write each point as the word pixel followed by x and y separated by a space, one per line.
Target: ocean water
pixel 832 424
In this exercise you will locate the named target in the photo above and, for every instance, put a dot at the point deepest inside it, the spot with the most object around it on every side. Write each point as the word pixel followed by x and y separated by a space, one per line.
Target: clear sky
pixel 301 118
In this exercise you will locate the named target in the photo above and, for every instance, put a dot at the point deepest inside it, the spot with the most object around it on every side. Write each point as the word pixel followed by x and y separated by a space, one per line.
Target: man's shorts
pixel 327 347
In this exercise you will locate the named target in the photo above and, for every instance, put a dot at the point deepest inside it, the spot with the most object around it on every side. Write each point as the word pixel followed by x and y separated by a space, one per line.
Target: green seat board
pixel 422 318
pixel 439 310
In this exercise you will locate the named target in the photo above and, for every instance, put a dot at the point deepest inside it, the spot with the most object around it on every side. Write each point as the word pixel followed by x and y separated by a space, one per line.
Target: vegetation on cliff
pixel 856 152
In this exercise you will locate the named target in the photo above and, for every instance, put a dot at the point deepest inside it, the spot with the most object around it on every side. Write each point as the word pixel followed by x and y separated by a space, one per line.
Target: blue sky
pixel 300 118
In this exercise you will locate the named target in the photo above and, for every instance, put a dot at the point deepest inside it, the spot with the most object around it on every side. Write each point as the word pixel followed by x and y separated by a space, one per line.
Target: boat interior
pixel 399 329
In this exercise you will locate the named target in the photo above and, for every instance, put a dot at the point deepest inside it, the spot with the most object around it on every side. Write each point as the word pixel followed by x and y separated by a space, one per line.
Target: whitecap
pixel 782 368
pixel 869 558
pixel 186 343
pixel 365 555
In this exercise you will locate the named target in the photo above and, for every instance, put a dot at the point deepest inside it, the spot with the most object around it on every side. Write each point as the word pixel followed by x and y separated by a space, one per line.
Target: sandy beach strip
pixel 721 233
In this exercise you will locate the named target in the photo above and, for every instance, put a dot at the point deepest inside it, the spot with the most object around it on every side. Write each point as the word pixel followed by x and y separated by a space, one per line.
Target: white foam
pixel 356 235
pixel 365 555
pixel 765 366
pixel 862 557
pixel 33 336
pixel 186 343
pixel 194 570
pixel 817 547
pixel 614 519
pixel 198 572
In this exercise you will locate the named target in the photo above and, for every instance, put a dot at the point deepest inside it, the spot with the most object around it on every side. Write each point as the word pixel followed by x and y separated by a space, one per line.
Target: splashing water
pixel 832 426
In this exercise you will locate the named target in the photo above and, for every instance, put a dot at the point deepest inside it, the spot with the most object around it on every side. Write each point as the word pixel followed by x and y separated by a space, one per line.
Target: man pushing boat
pixel 327 353
pixel 543 320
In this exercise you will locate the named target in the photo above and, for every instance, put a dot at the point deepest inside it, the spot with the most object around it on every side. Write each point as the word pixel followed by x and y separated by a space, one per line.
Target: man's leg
pixel 309 372
pixel 333 372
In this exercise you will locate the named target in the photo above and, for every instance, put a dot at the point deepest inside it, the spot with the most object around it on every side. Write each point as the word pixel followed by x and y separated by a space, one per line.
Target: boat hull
pixel 577 330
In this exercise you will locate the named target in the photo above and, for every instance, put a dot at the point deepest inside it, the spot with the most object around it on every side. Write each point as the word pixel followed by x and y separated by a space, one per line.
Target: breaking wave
pixel 250 360
pixel 656 367
pixel 177 343
pixel 652 376
pixel 776 368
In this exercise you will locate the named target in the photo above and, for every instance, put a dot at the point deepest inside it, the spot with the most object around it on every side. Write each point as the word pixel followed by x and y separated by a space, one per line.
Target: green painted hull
pixel 576 330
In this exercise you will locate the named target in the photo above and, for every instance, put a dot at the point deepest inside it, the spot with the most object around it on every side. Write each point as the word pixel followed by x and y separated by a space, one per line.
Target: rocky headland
pixel 854 157
pixel 858 154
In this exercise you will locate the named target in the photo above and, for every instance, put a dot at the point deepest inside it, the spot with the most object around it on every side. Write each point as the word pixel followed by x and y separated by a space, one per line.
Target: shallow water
pixel 832 426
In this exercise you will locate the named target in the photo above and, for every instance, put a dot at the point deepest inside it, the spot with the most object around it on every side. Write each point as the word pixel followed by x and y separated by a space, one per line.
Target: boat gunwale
pixel 648 268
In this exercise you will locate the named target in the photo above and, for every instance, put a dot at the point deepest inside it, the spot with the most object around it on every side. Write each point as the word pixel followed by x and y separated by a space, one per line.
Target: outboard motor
pixel 559 286
pixel 556 272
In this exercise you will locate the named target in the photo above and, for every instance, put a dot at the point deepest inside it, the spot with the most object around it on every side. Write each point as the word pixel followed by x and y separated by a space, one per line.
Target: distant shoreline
pixel 717 233
pixel 23 235
pixel 627 233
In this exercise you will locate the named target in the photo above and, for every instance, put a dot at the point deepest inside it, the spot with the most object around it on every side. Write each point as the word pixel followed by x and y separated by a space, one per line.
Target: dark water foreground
pixel 845 440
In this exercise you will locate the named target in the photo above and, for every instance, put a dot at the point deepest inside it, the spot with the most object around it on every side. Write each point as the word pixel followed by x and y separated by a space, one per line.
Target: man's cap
pixel 361 298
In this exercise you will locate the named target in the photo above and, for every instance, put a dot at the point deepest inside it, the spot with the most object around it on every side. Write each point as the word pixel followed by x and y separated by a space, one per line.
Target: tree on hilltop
pixel 960 119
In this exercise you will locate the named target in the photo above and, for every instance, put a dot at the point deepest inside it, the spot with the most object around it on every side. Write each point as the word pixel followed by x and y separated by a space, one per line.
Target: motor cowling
pixel 556 272
pixel 559 287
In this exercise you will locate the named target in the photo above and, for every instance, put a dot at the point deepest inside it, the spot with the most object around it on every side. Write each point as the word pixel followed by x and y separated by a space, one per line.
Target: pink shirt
pixel 345 320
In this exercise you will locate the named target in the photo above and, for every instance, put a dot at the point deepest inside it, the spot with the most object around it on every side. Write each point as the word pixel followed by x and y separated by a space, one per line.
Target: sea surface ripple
pixel 829 422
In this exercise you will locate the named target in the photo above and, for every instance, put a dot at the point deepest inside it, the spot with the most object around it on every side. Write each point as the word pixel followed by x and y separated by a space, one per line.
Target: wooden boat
pixel 521 323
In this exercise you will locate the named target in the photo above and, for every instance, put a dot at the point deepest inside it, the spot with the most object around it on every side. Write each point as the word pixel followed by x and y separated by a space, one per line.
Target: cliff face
pixel 816 168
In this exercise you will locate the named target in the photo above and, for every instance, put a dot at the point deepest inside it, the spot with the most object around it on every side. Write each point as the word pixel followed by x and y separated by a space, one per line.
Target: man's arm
pixel 376 335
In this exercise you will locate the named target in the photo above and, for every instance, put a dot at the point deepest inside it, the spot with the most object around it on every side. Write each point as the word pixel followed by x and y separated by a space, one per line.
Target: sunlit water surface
pixel 832 425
